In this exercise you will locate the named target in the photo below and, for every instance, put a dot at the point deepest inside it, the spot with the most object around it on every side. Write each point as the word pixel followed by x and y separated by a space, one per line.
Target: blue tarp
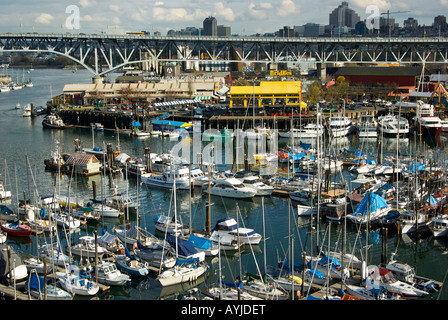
pixel 184 247
pixel 239 284
pixel 333 261
pixel 358 153
pixel 36 282
pixel 199 242
pixel 128 254
pixel 376 202
pixel 136 124
pixel 431 200
pixel 415 167
pixel 6 210
pixel 43 213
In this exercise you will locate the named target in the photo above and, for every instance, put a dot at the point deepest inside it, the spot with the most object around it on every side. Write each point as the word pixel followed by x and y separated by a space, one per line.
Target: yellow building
pixel 267 93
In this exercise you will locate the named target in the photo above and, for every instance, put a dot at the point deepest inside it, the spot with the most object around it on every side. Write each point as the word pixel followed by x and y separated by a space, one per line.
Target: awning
pixel 205 98
pixel 176 102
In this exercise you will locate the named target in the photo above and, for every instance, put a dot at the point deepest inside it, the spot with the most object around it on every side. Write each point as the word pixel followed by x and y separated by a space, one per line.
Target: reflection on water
pixel 25 137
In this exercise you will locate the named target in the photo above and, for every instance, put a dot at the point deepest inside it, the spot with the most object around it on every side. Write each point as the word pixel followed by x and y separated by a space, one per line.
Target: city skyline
pixel 244 17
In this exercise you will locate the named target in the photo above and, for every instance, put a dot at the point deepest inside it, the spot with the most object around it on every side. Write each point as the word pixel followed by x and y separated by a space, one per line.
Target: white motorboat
pixel 254 182
pixel 388 280
pixel 340 126
pixel 86 248
pixel 136 167
pixel 228 226
pixel 431 126
pixel 409 222
pixel 263 290
pixel 367 126
pixel 393 125
pixel 166 179
pixel 108 274
pixel 439 226
pixel 142 134
pixel 309 131
pixel 77 284
pixel 230 187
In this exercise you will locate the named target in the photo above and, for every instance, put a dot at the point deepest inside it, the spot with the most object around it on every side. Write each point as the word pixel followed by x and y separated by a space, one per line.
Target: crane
pixel 388 15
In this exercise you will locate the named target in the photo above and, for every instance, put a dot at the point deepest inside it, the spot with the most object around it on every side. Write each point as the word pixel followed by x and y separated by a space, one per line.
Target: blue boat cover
pixel 6 210
pixel 184 247
pixel 377 202
pixel 333 261
pixel 128 254
pixel 238 284
pixel 358 153
pixel 199 242
pixel 431 200
pixel 36 282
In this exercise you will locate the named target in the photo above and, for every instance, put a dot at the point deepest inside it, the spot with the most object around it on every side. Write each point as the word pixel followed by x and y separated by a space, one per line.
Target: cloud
pixel 381 4
pixel 114 7
pixel 226 13
pixel 286 8
pixel 87 3
pixel 259 11
pixel 44 18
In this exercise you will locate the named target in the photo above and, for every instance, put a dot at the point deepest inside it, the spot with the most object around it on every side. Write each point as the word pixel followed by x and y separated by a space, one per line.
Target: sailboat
pixel 185 270
pixel 130 265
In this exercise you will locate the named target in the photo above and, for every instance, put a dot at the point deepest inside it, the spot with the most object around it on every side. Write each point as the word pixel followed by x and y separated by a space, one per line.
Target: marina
pixel 274 215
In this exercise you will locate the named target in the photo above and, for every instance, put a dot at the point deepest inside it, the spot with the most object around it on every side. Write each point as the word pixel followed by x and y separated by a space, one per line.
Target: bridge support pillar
pixel 322 71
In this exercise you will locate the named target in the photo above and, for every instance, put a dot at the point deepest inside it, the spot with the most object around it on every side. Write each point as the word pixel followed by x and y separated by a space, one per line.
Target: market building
pixel 264 93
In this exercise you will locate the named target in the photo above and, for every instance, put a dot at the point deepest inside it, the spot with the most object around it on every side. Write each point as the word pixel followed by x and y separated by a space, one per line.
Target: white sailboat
pixel 184 271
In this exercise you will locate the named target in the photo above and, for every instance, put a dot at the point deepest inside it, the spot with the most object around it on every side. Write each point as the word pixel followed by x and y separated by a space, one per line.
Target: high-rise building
pixel 210 26
pixel 224 31
pixel 410 23
pixel 343 16
pixel 440 23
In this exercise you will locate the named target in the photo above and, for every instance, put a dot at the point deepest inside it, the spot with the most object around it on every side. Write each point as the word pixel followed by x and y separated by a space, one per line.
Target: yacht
pixel 254 182
pixel 393 125
pixel 367 126
pixel 430 126
pixel 340 126
pixel 166 179
pixel 228 226
pixel 309 131
pixel 231 188
pixel 439 226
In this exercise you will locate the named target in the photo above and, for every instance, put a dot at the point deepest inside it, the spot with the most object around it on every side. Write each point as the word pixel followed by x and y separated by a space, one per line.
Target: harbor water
pixel 25 144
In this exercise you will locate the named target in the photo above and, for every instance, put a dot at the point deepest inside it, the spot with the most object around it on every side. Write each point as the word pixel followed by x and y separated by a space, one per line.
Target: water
pixel 24 138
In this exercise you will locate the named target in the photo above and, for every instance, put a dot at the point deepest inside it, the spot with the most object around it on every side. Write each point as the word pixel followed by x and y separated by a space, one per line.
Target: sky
pixel 245 17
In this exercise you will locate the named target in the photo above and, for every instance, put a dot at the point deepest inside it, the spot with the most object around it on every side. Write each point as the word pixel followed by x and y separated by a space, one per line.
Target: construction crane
pixel 388 17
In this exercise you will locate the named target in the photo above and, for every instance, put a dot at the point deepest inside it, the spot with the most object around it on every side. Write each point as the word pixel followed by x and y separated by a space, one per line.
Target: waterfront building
pixel 405 78
pixel 165 89
pixel 83 163
pixel 267 93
